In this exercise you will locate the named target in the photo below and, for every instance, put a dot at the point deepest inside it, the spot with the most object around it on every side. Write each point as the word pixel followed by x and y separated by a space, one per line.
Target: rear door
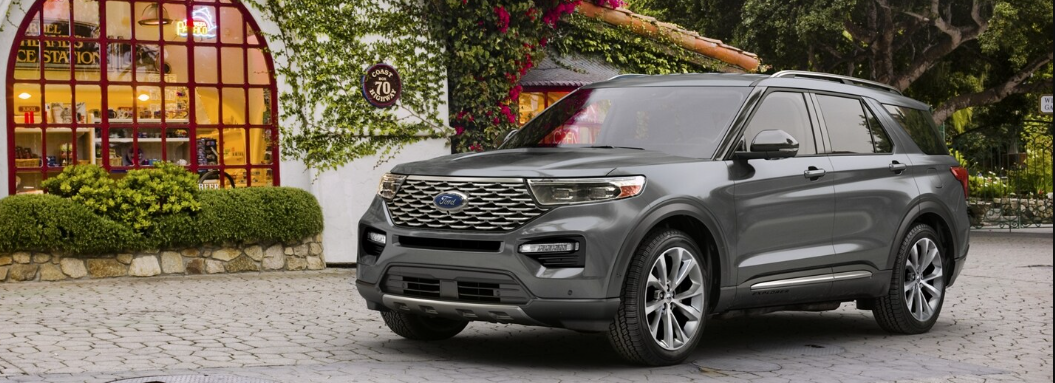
pixel 784 211
pixel 874 190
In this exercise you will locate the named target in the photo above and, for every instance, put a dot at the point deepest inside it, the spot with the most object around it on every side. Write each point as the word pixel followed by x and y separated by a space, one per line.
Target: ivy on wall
pixel 323 47
pixel 477 50
pixel 628 50
pixel 491 44
pixel 480 47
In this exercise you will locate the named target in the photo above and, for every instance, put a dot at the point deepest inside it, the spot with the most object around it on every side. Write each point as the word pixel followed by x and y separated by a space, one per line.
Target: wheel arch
pixel 689 218
pixel 936 216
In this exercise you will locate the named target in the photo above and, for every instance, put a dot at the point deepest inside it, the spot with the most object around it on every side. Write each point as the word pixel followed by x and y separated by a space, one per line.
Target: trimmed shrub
pixel 243 215
pixel 136 200
pixel 51 223
pixel 88 185
pixel 145 195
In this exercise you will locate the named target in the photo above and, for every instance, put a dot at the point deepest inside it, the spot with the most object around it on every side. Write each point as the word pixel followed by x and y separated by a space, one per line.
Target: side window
pixel 879 136
pixel 918 124
pixel 785 111
pixel 851 128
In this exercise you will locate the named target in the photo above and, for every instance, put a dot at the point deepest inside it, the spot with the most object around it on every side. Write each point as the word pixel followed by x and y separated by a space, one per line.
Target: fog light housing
pixel 376 237
pixel 556 247
pixel 372 241
pixel 555 253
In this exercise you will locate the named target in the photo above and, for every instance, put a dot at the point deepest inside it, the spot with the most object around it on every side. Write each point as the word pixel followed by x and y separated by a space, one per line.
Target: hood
pixel 538 162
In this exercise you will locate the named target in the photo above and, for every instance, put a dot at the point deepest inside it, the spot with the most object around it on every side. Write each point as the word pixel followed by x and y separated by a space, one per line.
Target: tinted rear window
pixel 851 128
pixel 920 127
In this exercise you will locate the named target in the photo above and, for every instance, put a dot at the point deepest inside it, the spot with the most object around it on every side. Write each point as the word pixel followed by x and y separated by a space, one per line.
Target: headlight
pixel 568 191
pixel 390 185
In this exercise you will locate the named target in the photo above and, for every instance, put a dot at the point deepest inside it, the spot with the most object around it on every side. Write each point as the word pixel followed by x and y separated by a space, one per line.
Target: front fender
pixel 656 214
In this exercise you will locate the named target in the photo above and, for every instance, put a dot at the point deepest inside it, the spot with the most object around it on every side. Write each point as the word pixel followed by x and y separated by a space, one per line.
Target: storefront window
pixel 125 84
pixel 534 100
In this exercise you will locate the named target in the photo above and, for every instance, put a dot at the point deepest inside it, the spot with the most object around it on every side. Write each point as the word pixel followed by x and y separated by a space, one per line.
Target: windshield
pixel 682 121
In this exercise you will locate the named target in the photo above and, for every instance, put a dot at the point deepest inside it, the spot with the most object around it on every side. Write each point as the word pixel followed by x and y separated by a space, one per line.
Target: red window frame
pixel 104 126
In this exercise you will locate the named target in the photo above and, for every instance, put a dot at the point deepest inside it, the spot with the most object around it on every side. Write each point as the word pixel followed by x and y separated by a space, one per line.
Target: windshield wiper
pixel 614 147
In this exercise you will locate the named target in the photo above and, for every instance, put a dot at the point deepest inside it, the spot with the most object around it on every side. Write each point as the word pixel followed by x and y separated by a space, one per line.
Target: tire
pixel 641 336
pixel 418 327
pixel 916 274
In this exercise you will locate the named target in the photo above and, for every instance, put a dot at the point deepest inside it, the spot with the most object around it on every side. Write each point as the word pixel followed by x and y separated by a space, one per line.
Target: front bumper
pixel 570 297
pixel 574 314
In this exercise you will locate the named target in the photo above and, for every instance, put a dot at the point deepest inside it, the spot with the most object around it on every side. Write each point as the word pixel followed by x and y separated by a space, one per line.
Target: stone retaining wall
pixel 254 257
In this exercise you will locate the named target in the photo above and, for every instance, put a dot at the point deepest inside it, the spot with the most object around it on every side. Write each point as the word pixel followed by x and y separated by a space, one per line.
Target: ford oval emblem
pixel 450 201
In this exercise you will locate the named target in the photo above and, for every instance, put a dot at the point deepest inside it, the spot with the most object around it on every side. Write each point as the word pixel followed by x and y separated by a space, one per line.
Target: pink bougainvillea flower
pixel 503 19
pixel 509 114
pixel 514 94
pixel 458 130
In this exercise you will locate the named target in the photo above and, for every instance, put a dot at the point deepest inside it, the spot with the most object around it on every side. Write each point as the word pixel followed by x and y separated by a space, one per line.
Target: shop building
pixel 126 83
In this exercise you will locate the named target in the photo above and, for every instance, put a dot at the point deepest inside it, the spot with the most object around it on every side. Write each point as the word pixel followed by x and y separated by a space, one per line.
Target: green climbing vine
pixel 321 50
pixel 491 44
pixel 626 49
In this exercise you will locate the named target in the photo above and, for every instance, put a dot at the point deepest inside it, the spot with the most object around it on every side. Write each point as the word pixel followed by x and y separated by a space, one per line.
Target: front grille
pixel 450 244
pixel 454 285
pixel 420 287
pixel 479 292
pixel 493 204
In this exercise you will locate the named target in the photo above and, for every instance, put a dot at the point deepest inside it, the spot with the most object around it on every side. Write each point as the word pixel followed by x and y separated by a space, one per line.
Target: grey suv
pixel 643 205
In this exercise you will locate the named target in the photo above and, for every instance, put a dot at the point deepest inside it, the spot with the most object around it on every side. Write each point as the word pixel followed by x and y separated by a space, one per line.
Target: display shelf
pixel 142 140
pixel 149 121
pixel 52 130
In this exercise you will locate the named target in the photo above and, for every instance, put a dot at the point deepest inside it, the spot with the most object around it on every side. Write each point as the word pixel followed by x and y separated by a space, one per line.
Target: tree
pixel 955 54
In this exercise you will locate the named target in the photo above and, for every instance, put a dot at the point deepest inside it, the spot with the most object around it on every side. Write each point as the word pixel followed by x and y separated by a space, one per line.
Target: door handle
pixel 813 173
pixel 898 167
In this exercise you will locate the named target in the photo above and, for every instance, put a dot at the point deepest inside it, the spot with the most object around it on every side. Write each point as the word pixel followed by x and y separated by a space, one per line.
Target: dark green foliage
pixel 243 215
pixel 52 223
pixel 629 51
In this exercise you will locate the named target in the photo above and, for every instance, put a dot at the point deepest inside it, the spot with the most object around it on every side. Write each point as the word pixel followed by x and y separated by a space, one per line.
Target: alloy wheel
pixel 924 279
pixel 674 298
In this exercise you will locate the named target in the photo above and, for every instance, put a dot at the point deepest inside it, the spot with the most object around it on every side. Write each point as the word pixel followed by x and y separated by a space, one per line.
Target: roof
pixel 683 79
pixel 571 70
pixel 815 81
pixel 690 40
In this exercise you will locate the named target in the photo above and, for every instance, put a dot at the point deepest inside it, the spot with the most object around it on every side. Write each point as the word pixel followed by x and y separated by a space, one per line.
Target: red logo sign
pixel 382 85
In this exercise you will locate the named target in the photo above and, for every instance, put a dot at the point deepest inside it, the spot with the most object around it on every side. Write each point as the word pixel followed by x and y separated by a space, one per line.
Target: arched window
pixel 124 84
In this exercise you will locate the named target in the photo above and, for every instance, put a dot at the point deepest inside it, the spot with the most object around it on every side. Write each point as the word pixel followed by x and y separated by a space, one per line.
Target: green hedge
pixel 51 223
pixel 243 215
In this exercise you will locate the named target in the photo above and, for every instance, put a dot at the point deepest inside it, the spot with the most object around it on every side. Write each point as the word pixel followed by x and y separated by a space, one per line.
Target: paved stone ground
pixel 313 327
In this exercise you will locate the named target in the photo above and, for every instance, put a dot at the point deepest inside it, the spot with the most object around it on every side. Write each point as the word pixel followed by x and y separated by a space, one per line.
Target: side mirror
pixel 771 144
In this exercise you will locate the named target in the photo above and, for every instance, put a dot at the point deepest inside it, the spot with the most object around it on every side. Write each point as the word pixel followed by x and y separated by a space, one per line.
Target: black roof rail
pixel 834 77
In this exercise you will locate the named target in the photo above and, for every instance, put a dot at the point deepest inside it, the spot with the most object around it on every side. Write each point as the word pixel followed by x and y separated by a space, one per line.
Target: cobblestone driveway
pixel 313 327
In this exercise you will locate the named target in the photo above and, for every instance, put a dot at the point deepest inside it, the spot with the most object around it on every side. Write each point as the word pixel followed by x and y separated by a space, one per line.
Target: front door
pixel 784 211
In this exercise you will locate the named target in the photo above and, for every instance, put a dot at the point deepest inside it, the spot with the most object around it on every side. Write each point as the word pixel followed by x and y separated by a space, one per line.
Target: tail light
pixel 961 175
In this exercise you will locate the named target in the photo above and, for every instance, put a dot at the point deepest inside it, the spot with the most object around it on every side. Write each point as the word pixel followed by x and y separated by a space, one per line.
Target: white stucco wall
pixel 344 193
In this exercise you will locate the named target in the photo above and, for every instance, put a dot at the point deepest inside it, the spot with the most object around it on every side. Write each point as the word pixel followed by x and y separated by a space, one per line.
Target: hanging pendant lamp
pixel 154 15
